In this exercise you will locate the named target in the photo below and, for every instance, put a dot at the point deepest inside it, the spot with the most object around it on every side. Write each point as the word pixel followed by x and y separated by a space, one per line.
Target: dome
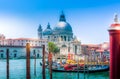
pixel 48 30
pixel 63 27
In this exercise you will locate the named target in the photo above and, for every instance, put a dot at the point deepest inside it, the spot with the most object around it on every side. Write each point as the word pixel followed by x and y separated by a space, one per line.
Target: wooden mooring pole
pixel 28 61
pixel 43 61
pixel 50 64
pixel 34 63
pixel 7 54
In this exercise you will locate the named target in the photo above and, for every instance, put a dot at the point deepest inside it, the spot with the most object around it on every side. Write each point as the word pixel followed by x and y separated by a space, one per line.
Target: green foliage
pixel 56 50
pixel 53 48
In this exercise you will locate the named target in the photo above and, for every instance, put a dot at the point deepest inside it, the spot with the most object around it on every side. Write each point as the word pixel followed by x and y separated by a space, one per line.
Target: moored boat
pixel 86 68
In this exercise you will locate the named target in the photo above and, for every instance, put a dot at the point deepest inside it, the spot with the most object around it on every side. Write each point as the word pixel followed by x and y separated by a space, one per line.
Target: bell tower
pixel 40 32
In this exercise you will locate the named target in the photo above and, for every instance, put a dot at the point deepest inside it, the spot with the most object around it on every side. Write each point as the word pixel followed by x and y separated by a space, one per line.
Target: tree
pixel 52 49
pixel 56 50
pixel 51 46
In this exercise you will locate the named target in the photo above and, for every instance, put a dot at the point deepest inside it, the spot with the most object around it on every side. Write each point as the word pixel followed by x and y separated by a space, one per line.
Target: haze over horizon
pixel 90 19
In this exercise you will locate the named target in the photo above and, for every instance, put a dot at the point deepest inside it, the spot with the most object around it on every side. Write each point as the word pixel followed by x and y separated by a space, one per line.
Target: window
pixel 1 50
pixel 15 55
pixel 22 44
pixel 37 55
pixel 34 52
pixel 1 55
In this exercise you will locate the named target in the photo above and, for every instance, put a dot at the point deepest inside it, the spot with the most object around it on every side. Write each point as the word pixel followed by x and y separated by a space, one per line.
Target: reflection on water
pixel 18 71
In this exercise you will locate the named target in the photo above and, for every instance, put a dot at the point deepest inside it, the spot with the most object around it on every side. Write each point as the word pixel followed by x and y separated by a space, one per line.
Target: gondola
pixel 89 69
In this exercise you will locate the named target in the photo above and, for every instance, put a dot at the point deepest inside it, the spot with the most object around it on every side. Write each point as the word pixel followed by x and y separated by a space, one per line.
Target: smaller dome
pixel 48 30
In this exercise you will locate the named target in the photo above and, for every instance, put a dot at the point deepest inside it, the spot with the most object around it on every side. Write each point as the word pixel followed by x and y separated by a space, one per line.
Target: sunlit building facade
pixel 17 47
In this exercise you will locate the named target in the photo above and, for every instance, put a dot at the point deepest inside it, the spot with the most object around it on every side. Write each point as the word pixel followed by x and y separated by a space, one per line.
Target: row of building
pixel 62 35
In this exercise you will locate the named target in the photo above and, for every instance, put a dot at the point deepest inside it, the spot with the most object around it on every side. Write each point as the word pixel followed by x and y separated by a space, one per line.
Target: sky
pixel 89 19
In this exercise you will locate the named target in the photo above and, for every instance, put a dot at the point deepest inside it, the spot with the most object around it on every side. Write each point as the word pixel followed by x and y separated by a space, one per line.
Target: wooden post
pixel 7 54
pixel 43 61
pixel 50 64
pixel 78 67
pixel 28 61
pixel 34 63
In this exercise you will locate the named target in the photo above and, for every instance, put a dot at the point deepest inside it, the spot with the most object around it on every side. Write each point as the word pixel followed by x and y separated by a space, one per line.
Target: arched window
pixel 38 55
pixel 15 55
pixel 64 38
pixel 64 45
pixel 1 55
pixel 1 50
pixel 75 49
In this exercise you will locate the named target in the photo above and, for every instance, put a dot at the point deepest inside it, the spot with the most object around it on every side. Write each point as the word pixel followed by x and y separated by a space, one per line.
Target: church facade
pixel 62 36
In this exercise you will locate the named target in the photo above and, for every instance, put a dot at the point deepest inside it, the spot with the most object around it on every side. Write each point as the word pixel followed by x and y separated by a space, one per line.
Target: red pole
pixel 28 61
pixel 50 64
pixel 7 54
pixel 114 32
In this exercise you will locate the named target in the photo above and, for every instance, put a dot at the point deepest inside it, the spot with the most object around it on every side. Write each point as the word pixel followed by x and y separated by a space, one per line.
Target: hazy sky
pixel 89 19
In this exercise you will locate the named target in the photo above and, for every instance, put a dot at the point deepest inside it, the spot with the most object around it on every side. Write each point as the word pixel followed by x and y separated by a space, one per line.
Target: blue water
pixel 18 71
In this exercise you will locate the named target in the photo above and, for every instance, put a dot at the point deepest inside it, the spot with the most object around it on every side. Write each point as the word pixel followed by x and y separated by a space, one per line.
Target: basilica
pixel 62 35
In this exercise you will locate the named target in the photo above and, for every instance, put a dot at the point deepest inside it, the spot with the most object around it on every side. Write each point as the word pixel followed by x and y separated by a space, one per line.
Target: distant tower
pixel 40 32
pixel 114 32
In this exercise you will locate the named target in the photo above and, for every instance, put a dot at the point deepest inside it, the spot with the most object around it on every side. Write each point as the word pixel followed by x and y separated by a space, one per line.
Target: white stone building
pixel 17 47
pixel 62 36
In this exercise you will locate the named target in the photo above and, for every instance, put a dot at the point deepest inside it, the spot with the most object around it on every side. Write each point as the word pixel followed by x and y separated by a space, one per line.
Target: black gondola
pixel 92 70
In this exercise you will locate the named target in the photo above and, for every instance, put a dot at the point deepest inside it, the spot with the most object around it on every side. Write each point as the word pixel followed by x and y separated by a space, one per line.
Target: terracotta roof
pixel 25 39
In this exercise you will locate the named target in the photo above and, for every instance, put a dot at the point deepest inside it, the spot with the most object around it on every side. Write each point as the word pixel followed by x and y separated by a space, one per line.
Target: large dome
pixel 63 27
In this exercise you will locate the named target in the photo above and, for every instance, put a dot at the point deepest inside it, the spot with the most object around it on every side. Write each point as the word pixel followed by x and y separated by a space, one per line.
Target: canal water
pixel 18 71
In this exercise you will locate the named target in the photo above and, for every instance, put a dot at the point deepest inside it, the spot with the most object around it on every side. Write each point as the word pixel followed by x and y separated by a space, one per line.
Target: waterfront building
pixel 96 52
pixel 62 35
pixel 17 47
